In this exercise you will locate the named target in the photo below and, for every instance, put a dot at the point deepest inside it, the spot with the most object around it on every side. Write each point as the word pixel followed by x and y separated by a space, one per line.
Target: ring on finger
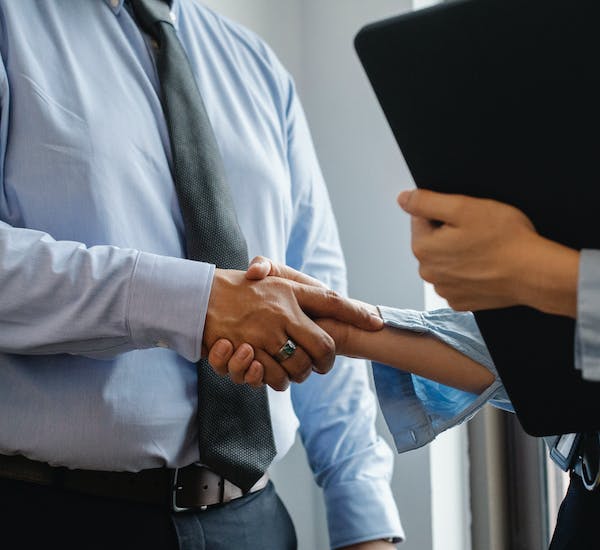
pixel 286 351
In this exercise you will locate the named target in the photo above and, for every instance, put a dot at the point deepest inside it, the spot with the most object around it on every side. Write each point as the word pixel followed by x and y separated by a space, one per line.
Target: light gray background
pixel 364 171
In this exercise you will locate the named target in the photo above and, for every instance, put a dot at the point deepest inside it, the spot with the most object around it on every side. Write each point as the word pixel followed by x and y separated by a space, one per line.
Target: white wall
pixel 365 172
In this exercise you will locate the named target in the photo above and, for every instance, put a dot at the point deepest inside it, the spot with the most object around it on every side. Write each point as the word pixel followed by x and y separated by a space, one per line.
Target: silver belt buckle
pixel 177 487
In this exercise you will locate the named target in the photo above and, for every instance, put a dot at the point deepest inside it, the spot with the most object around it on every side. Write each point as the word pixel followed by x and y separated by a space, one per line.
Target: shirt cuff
pixel 416 410
pixel 168 303
pixel 360 511
pixel 587 334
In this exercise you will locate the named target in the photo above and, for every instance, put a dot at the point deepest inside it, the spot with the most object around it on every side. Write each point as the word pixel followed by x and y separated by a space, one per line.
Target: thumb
pixel 441 207
pixel 260 268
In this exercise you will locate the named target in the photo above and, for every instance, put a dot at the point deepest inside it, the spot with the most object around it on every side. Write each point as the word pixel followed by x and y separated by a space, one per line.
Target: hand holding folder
pixel 484 254
pixel 498 100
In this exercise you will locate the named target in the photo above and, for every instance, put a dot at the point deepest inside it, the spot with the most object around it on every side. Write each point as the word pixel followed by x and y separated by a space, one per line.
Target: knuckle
pixel 303 377
pixel 276 377
pixel 419 249
pixel 214 361
pixel 328 345
pixel 219 369
pixel 332 296
pixel 325 347
pixel 302 371
pixel 236 369
pixel 281 384
pixel 447 294
pixel 426 273
pixel 252 380
pixel 454 304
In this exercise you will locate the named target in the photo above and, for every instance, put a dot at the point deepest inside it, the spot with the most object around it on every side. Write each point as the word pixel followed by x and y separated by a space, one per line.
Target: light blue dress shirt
pixel 101 317
pixel 417 410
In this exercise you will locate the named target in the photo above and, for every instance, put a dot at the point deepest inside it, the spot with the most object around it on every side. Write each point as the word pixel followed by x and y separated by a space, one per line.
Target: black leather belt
pixel 193 487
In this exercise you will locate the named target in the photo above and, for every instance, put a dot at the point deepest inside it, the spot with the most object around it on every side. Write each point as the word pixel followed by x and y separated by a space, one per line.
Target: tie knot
pixel 149 13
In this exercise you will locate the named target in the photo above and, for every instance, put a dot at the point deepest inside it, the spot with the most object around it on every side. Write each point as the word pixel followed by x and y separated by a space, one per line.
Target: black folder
pixel 501 99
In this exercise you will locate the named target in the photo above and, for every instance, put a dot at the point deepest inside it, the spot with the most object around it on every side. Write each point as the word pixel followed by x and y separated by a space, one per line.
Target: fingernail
pixel 221 349
pixel 403 198
pixel 377 318
pixel 244 352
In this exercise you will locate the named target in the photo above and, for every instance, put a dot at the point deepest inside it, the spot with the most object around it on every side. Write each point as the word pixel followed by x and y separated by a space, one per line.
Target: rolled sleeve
pixel 351 463
pixel 337 411
pixel 357 513
pixel 416 409
pixel 168 303
pixel 587 336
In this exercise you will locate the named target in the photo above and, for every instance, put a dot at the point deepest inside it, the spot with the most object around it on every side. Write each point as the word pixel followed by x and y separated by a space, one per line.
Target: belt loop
pixel 222 489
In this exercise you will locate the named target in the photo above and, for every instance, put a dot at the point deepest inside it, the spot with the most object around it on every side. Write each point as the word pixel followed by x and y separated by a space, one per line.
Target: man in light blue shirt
pixel 101 315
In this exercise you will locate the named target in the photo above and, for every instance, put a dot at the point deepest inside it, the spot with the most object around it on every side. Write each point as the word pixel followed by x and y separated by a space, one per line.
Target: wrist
pixel 548 278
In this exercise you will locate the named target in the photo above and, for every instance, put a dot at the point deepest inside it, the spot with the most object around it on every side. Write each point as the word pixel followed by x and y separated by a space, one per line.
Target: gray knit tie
pixel 235 434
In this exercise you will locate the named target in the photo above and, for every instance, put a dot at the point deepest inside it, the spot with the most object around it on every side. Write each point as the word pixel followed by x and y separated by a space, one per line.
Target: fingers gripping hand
pixel 243 366
pixel 239 364
pixel 257 318
pixel 255 311
pixel 472 250
pixel 261 267
pixel 326 303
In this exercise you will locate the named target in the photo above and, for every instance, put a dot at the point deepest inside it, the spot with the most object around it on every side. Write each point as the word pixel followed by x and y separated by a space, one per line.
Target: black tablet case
pixel 500 99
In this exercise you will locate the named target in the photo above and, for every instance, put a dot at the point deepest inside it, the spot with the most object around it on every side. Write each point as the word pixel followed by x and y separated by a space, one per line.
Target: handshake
pixel 274 325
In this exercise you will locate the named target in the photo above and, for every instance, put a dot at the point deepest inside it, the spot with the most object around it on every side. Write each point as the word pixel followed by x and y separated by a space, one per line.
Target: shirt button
pixel 115 3
pixel 161 344
pixel 172 16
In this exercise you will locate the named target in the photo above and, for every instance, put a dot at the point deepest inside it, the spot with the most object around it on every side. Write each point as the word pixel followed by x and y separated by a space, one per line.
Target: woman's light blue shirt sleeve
pixel 416 409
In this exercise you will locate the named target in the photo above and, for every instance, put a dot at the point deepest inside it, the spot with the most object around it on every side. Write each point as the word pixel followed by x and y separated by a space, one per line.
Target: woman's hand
pixel 483 254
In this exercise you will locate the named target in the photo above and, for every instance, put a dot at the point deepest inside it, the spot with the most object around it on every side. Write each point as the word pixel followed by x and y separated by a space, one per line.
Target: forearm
pixel 422 355
pixel 62 297
pixel 547 278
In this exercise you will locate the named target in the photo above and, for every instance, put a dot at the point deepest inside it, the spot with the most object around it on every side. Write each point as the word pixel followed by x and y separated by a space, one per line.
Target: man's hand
pixel 483 254
pixel 241 364
pixel 256 317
